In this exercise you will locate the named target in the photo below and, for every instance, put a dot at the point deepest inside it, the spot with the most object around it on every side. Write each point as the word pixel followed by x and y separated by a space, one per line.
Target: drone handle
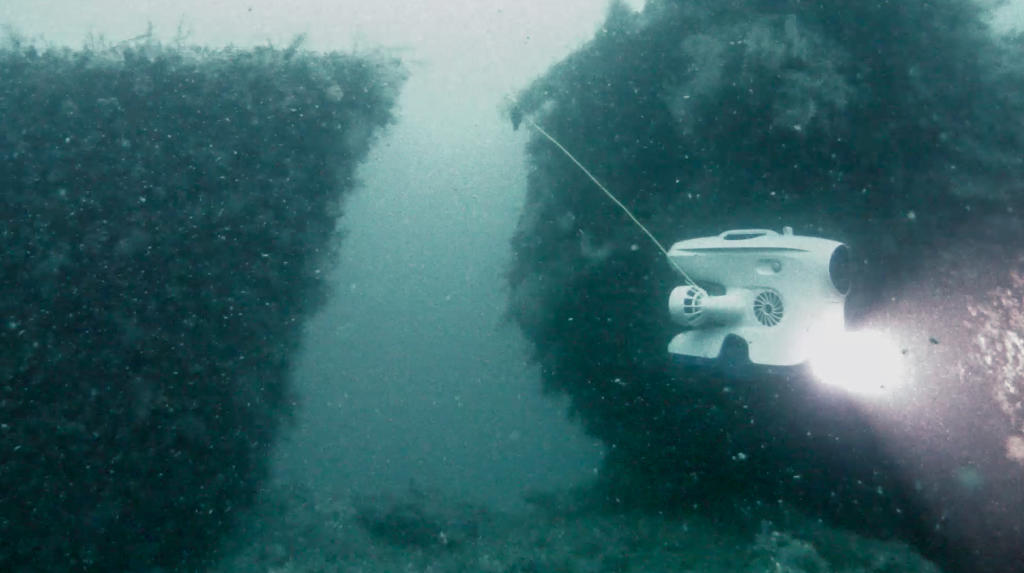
pixel 741 234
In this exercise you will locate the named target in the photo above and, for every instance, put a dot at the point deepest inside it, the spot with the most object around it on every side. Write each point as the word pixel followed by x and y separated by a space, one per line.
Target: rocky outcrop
pixel 893 127
pixel 169 215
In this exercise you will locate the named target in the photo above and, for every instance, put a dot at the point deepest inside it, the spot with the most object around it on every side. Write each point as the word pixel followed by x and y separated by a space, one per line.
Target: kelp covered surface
pixel 169 215
pixel 891 126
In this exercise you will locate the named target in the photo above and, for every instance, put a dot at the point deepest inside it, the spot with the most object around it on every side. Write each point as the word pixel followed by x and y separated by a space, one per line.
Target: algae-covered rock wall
pixel 169 215
pixel 891 126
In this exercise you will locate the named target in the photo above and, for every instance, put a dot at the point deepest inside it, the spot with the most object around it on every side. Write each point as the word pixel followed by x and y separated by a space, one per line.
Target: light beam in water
pixel 867 362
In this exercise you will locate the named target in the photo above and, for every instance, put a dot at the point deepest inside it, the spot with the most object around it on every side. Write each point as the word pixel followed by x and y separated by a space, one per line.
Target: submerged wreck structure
pixel 894 127
pixel 168 217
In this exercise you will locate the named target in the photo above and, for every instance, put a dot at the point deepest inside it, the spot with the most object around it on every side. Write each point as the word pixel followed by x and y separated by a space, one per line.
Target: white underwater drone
pixel 779 293
pixel 782 294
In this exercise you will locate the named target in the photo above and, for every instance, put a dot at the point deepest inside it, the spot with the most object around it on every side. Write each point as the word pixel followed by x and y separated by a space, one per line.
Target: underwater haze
pixel 435 346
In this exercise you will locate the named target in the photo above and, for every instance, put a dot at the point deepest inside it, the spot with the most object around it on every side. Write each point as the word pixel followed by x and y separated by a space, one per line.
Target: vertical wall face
pixel 168 215
pixel 889 126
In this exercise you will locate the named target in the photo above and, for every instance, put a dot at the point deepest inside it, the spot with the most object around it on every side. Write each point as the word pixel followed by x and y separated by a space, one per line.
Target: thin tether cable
pixel 614 199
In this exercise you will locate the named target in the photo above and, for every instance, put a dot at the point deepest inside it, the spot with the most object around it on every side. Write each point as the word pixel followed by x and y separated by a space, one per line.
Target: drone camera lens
pixel 839 270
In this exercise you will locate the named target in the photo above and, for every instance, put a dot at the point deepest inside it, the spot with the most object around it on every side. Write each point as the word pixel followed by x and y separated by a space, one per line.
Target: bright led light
pixel 866 362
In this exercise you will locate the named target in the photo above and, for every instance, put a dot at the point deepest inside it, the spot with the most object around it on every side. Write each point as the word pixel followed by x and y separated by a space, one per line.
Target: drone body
pixel 777 292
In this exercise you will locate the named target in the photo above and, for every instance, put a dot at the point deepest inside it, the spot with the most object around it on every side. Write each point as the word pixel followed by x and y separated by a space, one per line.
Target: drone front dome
pixel 775 291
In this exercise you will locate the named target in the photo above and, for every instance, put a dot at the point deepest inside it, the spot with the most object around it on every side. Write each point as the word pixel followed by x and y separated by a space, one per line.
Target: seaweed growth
pixel 887 125
pixel 169 215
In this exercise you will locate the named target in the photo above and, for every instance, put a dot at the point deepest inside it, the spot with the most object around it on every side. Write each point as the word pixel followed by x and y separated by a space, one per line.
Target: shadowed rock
pixel 892 127
pixel 169 218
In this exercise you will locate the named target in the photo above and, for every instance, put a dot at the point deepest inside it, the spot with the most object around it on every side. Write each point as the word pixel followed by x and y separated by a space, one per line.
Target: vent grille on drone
pixel 768 308
pixel 693 305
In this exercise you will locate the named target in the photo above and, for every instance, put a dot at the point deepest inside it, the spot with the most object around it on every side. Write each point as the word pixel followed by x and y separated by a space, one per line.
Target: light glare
pixel 866 362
